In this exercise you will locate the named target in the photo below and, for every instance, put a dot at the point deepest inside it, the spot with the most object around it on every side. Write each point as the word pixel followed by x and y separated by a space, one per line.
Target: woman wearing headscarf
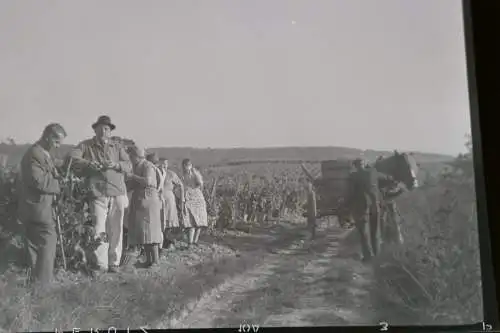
pixel 193 206
pixel 145 221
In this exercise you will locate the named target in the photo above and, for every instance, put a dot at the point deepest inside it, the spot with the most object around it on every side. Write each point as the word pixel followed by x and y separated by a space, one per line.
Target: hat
pixel 104 120
pixel 152 157
pixel 357 161
pixel 137 151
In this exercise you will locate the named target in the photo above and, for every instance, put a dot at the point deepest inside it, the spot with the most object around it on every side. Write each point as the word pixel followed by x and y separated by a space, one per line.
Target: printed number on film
pixel 246 328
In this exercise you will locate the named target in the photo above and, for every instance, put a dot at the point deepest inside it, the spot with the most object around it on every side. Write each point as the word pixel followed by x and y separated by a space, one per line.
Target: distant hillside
pixel 208 156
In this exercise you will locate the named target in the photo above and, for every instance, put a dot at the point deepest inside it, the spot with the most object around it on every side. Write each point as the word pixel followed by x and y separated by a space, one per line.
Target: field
pixel 251 271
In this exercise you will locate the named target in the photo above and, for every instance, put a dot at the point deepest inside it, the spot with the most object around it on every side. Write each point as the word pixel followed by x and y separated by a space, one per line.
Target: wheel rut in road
pixel 309 283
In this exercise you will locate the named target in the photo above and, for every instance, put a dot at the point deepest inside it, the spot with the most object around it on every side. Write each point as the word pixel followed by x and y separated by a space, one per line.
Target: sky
pixel 385 74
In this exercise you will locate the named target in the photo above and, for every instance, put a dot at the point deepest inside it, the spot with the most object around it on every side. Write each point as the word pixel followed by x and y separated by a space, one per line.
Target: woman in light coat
pixel 145 221
pixel 170 216
pixel 194 207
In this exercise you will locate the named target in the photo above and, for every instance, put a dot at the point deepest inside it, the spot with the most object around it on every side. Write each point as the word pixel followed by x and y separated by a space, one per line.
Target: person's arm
pixel 383 176
pixel 149 180
pixel 129 182
pixel 124 164
pixel 198 178
pixel 397 190
pixel 36 176
pixel 178 182
pixel 77 156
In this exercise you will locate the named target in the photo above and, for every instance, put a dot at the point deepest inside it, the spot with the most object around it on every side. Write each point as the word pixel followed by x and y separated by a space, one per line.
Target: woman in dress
pixel 170 216
pixel 193 206
pixel 145 221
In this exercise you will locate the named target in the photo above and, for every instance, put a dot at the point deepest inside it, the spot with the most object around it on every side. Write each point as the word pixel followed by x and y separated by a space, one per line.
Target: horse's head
pixel 402 167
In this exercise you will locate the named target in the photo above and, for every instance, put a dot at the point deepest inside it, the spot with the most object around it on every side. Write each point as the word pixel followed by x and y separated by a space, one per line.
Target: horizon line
pixel 270 147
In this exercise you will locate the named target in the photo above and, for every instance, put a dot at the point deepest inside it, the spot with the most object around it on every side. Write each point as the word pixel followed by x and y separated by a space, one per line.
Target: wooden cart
pixel 331 188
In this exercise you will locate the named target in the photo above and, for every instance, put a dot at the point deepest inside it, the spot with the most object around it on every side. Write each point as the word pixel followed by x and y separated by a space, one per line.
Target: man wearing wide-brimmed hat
pixel 104 163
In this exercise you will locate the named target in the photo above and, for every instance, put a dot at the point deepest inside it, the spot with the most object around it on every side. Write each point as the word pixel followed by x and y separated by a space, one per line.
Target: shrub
pixel 436 272
pixel 76 230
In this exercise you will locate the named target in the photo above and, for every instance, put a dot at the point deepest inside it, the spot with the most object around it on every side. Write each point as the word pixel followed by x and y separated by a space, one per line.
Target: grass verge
pixel 436 272
pixel 124 300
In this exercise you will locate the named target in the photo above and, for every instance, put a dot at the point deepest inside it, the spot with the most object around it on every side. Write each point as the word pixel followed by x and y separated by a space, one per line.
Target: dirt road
pixel 272 276
pixel 306 283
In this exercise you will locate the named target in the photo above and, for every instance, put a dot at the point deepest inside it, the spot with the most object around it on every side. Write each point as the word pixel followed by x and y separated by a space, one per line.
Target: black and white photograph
pixel 246 164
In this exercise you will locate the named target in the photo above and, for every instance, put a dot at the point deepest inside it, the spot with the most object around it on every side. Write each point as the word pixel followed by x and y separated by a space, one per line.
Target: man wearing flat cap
pixel 104 163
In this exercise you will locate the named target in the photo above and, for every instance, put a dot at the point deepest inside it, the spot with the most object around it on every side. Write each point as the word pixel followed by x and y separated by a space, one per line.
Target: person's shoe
pixel 113 269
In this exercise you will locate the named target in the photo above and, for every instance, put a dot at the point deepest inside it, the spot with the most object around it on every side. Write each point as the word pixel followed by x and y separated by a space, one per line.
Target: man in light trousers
pixel 105 163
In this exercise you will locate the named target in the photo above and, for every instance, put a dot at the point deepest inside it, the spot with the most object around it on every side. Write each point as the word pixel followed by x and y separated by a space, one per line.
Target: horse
pixel 401 166
pixel 404 169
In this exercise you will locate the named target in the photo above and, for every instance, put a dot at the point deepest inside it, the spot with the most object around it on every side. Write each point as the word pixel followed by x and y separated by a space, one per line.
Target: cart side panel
pixel 333 184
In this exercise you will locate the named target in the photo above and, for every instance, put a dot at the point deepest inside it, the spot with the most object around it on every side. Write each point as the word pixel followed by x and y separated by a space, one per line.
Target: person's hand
pixel 95 166
pixel 134 177
pixel 55 173
pixel 110 165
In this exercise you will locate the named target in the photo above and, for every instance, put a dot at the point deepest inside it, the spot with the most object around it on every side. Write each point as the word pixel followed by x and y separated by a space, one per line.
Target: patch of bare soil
pixel 309 283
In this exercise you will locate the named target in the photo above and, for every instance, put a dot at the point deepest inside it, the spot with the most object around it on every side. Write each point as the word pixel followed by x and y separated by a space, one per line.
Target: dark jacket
pixel 108 183
pixel 37 185
pixel 364 188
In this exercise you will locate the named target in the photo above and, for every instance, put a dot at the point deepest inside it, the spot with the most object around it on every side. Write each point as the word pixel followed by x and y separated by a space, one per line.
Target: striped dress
pixel 196 207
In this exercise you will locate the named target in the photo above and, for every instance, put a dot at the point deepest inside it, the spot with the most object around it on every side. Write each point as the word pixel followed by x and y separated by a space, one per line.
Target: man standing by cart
pixel 364 200
pixel 38 185
pixel 105 163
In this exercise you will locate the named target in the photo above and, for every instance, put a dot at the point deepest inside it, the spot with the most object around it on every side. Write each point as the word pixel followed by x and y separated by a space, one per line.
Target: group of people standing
pixel 124 187
pixel 135 191
pixel 153 213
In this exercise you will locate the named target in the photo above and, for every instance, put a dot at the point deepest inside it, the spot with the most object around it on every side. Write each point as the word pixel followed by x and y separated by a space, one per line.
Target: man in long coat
pixel 105 163
pixel 38 184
